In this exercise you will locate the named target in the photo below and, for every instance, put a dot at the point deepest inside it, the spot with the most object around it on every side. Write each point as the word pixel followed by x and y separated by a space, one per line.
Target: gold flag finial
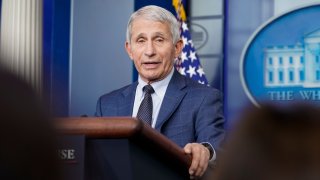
pixel 178 6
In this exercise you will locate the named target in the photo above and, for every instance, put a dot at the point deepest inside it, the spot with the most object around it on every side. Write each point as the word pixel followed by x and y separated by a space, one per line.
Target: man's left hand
pixel 200 158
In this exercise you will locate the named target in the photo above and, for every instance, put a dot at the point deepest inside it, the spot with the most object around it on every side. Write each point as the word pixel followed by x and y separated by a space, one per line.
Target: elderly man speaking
pixel 188 113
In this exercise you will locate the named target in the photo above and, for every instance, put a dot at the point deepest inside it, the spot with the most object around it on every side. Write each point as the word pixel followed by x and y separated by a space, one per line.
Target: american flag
pixel 188 64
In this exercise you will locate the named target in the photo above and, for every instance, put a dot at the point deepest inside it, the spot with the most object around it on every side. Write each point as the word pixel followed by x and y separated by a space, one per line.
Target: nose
pixel 150 51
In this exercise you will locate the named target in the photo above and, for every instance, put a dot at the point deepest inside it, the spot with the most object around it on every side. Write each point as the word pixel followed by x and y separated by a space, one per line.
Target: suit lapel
pixel 173 96
pixel 127 100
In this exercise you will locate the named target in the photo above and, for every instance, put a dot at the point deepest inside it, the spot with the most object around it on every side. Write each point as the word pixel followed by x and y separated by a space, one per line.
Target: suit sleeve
pixel 210 121
pixel 98 112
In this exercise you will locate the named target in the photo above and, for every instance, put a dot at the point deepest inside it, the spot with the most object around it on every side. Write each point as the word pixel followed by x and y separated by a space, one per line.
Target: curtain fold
pixel 21 39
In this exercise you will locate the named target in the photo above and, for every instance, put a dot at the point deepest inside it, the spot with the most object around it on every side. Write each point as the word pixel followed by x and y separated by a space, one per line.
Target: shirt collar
pixel 159 87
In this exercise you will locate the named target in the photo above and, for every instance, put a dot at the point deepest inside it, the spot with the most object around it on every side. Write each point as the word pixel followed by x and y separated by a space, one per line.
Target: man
pixel 188 113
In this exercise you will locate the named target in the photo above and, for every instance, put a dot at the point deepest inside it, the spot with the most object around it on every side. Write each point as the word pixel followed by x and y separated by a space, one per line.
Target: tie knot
pixel 148 89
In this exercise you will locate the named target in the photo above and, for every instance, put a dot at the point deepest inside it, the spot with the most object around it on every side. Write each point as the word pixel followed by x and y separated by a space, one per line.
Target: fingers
pixel 194 151
pixel 187 148
pixel 200 159
pixel 203 163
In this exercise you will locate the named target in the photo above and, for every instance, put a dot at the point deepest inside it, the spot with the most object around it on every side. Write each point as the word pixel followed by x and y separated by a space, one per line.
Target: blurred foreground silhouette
pixel 273 143
pixel 26 136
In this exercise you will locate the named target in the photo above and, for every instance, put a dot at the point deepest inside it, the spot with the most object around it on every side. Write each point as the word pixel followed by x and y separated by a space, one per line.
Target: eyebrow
pixel 160 34
pixel 156 34
pixel 140 35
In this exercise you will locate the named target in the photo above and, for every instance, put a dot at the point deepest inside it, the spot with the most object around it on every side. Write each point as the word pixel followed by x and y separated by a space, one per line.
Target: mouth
pixel 151 64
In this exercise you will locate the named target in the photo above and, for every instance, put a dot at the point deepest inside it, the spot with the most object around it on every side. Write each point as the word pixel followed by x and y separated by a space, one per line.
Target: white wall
pixel 282 6
pixel 98 61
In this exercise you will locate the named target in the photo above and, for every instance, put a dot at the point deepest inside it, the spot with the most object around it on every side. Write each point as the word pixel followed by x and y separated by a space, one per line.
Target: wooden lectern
pixel 125 148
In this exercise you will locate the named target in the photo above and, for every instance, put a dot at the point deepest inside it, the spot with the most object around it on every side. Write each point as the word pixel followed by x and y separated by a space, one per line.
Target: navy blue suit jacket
pixel 190 112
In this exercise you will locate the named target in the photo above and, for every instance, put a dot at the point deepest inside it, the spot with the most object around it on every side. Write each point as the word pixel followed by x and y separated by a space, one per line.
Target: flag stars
pixel 182 71
pixel 191 71
pixel 192 56
pixel 184 57
pixel 200 72
pixel 189 64
pixel 185 41
pixel 191 43
pixel 184 26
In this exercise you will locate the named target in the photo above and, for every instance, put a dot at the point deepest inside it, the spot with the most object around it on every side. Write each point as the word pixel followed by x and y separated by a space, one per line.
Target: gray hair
pixel 155 13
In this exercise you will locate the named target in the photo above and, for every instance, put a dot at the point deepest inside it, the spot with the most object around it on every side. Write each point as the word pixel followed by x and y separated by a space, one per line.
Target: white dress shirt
pixel 160 88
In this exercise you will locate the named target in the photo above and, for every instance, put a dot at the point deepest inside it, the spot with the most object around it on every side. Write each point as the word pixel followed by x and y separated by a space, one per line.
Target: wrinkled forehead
pixel 146 26
pixel 148 19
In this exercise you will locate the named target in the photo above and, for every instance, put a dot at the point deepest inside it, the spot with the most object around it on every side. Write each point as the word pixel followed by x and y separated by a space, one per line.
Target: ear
pixel 129 50
pixel 178 48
